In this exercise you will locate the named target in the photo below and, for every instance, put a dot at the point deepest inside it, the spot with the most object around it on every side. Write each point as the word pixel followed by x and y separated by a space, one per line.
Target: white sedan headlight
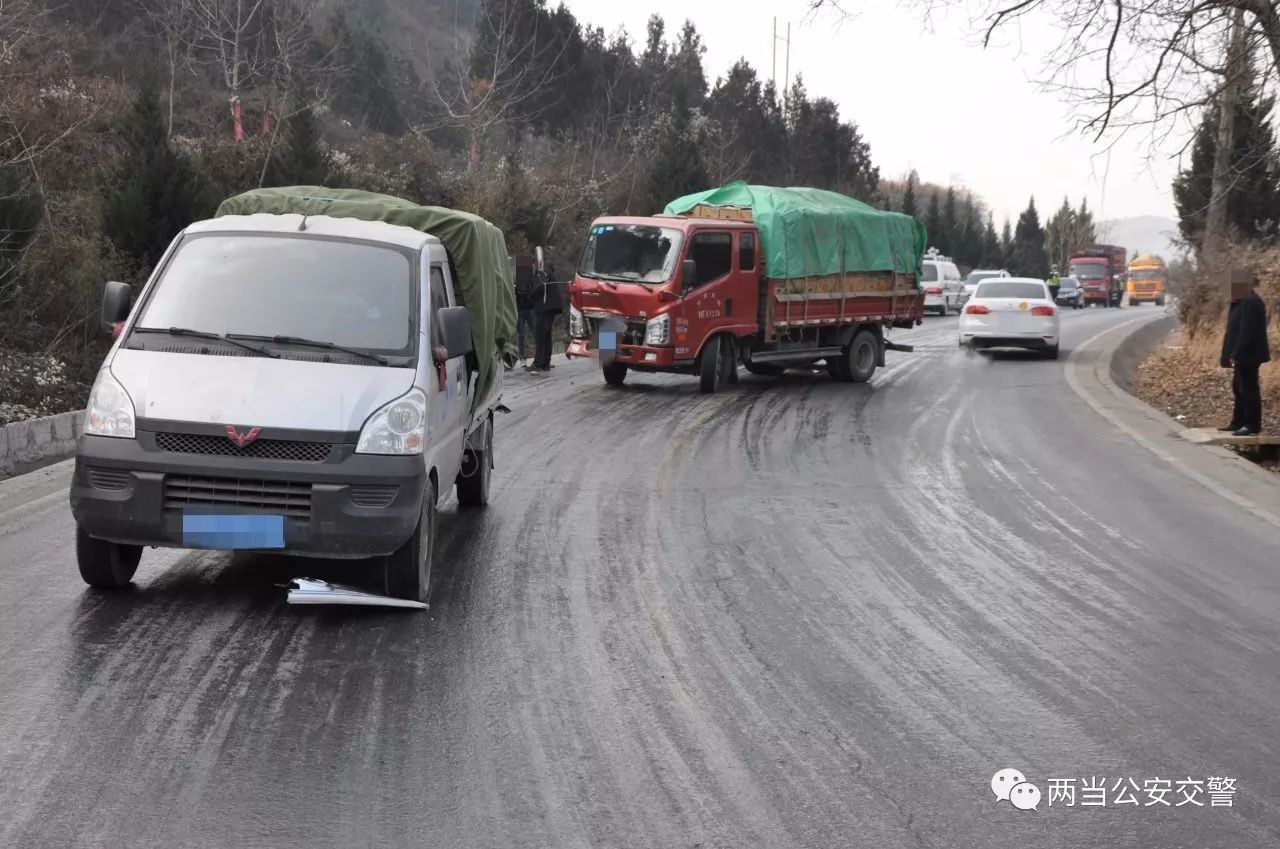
pixel 110 410
pixel 397 428
pixel 577 327
pixel 657 331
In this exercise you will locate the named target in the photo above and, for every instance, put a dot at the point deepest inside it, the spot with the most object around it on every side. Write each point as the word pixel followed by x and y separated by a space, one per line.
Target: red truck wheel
pixel 861 356
pixel 718 364
pixel 615 374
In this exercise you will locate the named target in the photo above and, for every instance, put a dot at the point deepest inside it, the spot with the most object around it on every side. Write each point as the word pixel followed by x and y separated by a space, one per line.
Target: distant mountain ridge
pixel 1143 234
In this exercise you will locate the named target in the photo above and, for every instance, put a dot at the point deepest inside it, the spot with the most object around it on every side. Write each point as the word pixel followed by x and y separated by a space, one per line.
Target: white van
pixel 943 286
pixel 285 383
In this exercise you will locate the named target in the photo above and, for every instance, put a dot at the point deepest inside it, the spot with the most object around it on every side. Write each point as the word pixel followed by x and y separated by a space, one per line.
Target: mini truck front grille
pixel 256 496
pixel 262 449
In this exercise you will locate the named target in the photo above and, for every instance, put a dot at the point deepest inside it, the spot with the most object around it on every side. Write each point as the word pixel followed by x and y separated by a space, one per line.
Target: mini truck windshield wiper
pixel 204 334
pixel 316 343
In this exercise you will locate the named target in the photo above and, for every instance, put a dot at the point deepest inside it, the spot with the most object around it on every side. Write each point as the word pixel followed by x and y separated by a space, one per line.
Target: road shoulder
pixel 1091 373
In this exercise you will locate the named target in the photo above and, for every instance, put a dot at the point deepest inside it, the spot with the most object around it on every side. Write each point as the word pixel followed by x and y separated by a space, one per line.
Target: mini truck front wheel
pixel 106 565
pixel 407 570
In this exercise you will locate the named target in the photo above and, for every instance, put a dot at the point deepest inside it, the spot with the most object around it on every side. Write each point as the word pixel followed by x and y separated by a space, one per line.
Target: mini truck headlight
pixel 397 428
pixel 110 410
pixel 577 327
pixel 657 331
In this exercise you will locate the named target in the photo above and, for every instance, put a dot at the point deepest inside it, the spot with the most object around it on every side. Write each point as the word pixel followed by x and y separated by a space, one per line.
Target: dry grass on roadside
pixel 1185 380
pixel 1184 377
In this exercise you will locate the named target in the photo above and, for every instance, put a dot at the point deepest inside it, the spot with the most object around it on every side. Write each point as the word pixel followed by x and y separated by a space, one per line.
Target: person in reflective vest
pixel 1055 283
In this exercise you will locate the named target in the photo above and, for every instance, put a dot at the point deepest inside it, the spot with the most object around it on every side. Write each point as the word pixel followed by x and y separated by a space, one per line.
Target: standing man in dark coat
pixel 528 293
pixel 549 305
pixel 1245 349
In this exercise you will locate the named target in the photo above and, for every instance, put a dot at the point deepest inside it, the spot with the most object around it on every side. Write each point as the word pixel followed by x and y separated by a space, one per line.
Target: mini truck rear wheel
pixel 477 469
pixel 407 570
pixel 106 565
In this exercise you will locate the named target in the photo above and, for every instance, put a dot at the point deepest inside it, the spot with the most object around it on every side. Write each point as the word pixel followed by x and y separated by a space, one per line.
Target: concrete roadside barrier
pixel 28 445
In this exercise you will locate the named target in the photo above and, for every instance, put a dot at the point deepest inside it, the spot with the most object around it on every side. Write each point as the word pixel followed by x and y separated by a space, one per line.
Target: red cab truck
pixel 755 276
pixel 1100 270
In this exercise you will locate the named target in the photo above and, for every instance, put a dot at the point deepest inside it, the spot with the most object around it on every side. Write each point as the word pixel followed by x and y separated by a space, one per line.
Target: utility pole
pixel 773 73
pixel 1237 63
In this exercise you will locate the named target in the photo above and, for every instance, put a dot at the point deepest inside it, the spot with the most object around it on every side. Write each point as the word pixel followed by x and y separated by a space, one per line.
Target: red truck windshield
pixel 635 253
pixel 1088 271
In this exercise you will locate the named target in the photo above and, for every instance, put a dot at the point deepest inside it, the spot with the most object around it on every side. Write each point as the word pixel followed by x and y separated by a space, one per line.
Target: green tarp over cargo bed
pixel 811 232
pixel 476 248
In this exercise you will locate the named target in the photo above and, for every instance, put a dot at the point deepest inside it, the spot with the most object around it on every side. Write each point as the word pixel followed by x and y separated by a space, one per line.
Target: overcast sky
pixel 927 97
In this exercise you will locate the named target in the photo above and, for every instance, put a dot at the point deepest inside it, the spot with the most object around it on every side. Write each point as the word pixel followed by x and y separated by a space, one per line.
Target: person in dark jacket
pixel 1245 349
pixel 550 305
pixel 528 292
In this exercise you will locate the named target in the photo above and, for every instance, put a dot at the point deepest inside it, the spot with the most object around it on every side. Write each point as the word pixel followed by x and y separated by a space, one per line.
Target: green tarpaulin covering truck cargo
pixel 476 248
pixel 813 233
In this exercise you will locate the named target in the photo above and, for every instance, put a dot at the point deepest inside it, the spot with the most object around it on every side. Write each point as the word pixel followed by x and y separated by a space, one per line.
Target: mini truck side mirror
pixel 117 297
pixel 455 331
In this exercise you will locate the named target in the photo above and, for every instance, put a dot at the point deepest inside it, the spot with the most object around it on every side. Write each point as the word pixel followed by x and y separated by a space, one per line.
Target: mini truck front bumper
pixel 348 506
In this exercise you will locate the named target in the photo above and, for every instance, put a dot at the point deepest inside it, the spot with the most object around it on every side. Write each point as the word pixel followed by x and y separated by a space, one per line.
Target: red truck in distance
pixel 1100 270
pixel 693 294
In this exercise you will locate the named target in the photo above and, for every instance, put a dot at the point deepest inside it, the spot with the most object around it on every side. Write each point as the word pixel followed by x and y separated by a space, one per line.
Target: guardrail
pixel 26 446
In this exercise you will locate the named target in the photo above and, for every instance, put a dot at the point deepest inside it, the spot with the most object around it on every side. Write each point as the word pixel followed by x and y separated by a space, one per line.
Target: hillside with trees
pixel 127 119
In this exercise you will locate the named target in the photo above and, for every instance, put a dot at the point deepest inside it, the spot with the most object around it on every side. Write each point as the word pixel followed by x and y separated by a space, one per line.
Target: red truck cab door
pixel 723 295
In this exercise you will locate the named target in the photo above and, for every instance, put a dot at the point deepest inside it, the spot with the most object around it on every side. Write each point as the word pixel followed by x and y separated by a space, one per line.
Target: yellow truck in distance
pixel 1148 278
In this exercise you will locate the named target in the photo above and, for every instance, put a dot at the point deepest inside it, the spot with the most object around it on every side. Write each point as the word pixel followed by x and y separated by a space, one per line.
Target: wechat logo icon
pixel 1011 786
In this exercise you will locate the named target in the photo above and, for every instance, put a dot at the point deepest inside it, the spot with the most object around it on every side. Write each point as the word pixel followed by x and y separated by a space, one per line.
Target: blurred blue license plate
pixel 608 340
pixel 212 530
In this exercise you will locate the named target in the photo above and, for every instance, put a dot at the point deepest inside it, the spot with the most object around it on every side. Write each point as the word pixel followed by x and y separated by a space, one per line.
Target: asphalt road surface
pixel 793 614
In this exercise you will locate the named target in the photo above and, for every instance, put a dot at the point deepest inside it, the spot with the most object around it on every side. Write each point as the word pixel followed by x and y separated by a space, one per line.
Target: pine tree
pixel 909 204
pixel 154 192
pixel 300 158
pixel 825 152
pixel 950 225
pixel 1029 258
pixel 1060 234
pixel 678 168
pixel 1086 232
pixel 685 77
pixel 1253 202
pixel 968 241
pixel 933 222
pixel 746 114
pixel 992 253
pixel 1006 246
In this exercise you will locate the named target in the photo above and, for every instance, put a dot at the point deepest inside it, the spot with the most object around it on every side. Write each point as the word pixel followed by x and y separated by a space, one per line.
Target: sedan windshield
pixel 1010 289
pixel 1088 271
pixel 350 294
pixel 1068 283
pixel 634 253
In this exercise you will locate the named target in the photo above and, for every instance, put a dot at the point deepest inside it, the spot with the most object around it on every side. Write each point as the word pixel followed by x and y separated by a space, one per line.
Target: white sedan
pixel 1011 312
